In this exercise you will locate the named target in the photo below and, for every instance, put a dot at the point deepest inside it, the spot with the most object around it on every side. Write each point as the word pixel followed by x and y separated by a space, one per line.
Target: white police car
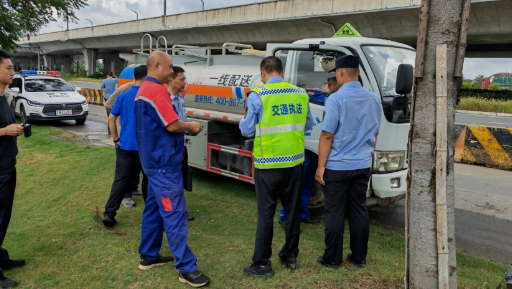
pixel 35 96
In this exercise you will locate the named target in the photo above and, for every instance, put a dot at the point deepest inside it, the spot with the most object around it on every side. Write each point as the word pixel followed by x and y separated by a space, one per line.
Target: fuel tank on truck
pixel 220 88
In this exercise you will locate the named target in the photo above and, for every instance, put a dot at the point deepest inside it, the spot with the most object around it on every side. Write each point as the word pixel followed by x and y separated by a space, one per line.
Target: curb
pixel 501 114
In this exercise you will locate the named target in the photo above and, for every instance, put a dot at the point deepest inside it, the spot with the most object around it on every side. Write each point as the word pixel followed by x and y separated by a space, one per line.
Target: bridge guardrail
pixel 483 145
pixel 93 96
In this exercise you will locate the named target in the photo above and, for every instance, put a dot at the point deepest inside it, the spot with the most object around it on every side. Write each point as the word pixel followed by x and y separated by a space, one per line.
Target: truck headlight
pixel 387 162
pixel 34 103
pixel 83 102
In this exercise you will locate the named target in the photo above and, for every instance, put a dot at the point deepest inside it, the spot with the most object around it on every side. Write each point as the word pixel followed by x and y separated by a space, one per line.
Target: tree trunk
pixel 442 22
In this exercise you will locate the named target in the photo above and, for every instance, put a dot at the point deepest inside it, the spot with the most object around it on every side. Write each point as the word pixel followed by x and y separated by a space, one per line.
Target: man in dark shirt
pixel 9 130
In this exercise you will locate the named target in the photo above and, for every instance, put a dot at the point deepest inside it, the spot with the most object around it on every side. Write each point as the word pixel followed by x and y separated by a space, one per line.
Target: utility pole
pixel 165 7
pixel 430 212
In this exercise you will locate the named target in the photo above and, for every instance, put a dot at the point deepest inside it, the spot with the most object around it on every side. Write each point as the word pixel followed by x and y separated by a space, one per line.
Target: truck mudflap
pixel 209 167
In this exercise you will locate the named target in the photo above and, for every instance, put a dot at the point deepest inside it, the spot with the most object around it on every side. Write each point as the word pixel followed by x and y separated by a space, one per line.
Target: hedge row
pixel 488 94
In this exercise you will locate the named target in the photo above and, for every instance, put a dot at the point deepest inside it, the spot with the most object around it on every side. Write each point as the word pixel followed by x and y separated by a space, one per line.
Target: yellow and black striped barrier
pixel 489 146
pixel 93 96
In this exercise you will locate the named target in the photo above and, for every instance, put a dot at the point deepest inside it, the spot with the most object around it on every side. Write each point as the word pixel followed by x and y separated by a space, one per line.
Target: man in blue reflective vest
pixel 161 141
pixel 277 114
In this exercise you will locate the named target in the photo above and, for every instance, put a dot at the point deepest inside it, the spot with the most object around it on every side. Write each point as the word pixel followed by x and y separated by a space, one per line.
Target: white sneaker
pixel 128 202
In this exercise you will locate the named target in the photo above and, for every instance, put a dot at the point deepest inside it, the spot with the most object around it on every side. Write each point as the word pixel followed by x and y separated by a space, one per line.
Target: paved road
pixel 483 120
pixel 81 84
pixel 483 216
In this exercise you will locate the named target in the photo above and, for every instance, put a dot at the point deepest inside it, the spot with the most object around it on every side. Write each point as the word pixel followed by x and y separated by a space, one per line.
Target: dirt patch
pixel 73 139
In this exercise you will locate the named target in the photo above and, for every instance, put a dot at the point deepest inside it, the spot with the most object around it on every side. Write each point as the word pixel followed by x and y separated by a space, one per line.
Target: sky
pixel 113 11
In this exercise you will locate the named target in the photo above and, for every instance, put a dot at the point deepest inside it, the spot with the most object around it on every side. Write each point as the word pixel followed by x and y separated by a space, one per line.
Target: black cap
pixel 347 61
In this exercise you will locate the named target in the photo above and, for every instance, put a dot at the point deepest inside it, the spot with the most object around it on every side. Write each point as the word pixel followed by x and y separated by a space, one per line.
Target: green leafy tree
pixel 19 17
pixel 494 87
pixel 466 85
pixel 477 81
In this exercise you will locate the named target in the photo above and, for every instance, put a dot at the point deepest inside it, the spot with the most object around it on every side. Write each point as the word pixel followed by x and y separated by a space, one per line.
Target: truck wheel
pixel 23 115
pixel 80 121
pixel 316 202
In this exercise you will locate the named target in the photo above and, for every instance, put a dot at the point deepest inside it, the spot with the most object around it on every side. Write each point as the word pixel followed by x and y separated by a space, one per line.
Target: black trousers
pixel 285 184
pixel 128 168
pixel 345 195
pixel 7 188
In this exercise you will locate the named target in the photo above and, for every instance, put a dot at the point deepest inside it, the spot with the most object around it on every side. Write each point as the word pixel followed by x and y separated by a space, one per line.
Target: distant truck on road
pixel 220 79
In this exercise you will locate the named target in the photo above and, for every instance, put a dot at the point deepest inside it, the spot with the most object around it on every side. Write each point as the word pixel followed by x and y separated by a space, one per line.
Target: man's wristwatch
pixel 116 140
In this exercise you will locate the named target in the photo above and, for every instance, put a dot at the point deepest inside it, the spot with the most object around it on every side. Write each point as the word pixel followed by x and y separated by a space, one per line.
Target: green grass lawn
pixel 482 104
pixel 61 184
pixel 83 79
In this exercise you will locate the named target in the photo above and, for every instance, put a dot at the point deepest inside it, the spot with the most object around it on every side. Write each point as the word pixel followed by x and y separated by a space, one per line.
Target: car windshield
pixel 384 62
pixel 46 85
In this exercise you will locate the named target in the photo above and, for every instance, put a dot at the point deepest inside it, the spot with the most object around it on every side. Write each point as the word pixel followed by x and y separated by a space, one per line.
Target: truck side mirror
pixel 78 88
pixel 15 89
pixel 404 79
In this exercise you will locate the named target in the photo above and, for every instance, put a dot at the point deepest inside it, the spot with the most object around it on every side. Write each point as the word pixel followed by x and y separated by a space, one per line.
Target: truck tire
pixel 316 202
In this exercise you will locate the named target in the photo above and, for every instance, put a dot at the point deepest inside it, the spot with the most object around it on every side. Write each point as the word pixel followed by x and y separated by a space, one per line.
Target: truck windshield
pixel 384 61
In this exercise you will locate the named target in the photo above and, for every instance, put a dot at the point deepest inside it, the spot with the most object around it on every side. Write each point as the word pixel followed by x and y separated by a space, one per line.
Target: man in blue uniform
pixel 161 141
pixel 109 84
pixel 175 87
pixel 128 165
pixel 347 142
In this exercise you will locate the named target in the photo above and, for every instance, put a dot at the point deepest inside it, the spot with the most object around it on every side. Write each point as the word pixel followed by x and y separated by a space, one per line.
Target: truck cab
pixel 307 64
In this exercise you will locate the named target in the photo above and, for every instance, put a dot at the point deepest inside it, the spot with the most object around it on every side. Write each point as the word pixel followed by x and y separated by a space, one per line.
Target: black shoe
pixel 190 218
pixel 6 282
pixel 109 221
pixel 12 264
pixel 289 262
pixel 282 223
pixel 195 279
pixel 310 221
pixel 257 270
pixel 145 264
pixel 322 262
pixel 360 265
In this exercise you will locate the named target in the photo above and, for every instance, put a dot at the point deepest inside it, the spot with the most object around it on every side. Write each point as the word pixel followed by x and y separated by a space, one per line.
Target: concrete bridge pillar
pixel 63 63
pixel 112 62
pixel 49 62
pixel 90 61
pixel 21 63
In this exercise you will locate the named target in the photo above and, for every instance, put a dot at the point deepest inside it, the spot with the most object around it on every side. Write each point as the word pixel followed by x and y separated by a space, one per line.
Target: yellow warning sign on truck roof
pixel 347 31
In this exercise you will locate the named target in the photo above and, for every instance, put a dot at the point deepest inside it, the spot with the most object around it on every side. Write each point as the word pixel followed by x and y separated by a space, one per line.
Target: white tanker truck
pixel 219 79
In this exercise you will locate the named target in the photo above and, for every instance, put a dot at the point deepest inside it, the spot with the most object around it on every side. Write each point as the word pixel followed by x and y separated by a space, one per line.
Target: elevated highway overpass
pixel 489 34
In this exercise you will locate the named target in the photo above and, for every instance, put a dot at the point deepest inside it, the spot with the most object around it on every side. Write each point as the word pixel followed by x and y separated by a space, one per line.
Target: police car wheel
pixel 80 120
pixel 23 115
